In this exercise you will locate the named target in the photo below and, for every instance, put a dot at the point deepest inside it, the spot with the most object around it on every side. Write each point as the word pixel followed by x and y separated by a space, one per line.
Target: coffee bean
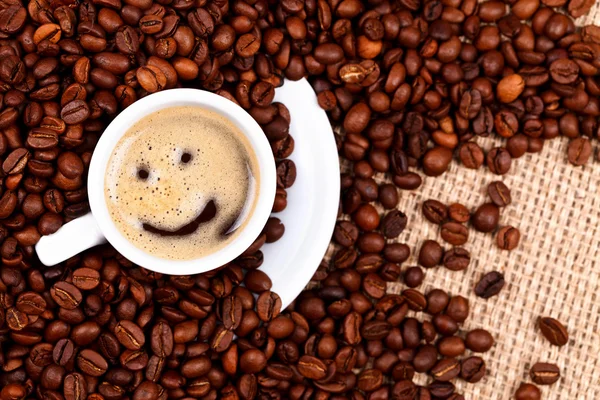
pixel 578 8
pixel 91 363
pixel 367 218
pixel 63 352
pixel 479 340
pixel 409 181
pixel 472 369
pixel 506 123
pixel 510 87
pixel 544 373
pixel 527 391
pixel 74 387
pixel 458 308
pixel 499 194
pixel 404 389
pixel 455 233
pixel 490 285
pixel 498 160
pixel 66 295
pixel 435 211
pixel 446 369
pixel 451 346
pixel 286 173
pixel 268 306
pixel 485 218
pixel 553 331
pixel 86 278
pixel 431 254
pixel 75 112
pixel 456 259
pixel 441 389
pixel 471 155
pixel 16 161
pixel 425 358
pixel 436 161
pixel 393 223
pixel 129 335
pixel 31 303
pixel 42 139
pixel 459 213
pixel 12 18
pixel 413 277
pixel 508 238
pixel 579 151
pixel 273 230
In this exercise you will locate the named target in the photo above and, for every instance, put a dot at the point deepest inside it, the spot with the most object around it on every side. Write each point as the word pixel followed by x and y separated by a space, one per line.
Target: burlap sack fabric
pixel 554 272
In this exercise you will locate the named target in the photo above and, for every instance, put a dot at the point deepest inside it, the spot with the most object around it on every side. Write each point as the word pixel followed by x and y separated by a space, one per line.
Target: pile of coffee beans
pixel 413 84
pixel 69 69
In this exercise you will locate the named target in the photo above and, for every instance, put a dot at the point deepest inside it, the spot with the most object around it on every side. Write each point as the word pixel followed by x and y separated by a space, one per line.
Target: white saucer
pixel 312 202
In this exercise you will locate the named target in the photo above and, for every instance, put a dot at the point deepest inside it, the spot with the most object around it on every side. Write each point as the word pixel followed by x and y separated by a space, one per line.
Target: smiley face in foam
pixel 181 183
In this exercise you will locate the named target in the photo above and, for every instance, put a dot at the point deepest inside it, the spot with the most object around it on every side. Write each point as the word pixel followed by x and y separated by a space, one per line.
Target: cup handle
pixel 71 239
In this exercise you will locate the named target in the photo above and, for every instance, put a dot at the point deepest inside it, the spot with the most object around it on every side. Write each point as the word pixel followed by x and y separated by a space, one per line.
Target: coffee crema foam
pixel 171 166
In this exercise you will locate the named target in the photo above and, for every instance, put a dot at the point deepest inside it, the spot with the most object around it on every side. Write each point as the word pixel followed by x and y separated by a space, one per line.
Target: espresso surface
pixel 181 183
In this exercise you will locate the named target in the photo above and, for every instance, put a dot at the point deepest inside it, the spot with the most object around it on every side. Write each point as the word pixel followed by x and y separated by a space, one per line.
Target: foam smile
pixel 207 214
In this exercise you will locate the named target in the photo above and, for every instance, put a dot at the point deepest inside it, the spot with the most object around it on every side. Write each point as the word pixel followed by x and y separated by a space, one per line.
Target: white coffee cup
pixel 98 227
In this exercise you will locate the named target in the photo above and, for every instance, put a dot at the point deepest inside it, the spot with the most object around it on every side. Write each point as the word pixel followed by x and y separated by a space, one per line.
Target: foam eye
pixel 186 158
pixel 143 174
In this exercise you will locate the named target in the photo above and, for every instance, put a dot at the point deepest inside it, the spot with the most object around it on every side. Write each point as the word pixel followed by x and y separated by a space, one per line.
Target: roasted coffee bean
pixel 553 331
pixel 75 112
pixel 510 87
pixel 454 233
pixel 64 352
pixel 485 218
pixel 578 8
pixel 286 173
pixel 388 196
pixel 499 194
pixel 527 391
pixel 441 389
pixel 508 238
pixel 74 387
pixel 498 160
pixel 446 369
pixel 129 335
pixel 436 161
pixel 91 363
pixel 416 300
pixel 479 340
pixel 393 223
pixel 31 303
pixel 16 161
pixel 431 254
pixel 66 295
pixel 579 151
pixel 544 373
pixel 459 213
pixel 435 211
pixel 471 155
pixel 456 259
pixel 472 369
pixel 490 285
pixel 413 277
pixel 451 346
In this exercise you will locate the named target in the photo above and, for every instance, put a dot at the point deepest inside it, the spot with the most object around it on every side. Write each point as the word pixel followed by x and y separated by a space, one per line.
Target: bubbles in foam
pixel 191 156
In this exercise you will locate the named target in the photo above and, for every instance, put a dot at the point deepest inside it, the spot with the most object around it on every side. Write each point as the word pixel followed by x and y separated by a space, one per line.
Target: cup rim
pixel 173 98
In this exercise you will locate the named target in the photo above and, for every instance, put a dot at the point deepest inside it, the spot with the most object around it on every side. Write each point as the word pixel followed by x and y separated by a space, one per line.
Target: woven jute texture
pixel 554 272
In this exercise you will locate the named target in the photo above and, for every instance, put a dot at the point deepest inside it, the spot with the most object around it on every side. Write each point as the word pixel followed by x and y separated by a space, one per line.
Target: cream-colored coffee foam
pixel 223 168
